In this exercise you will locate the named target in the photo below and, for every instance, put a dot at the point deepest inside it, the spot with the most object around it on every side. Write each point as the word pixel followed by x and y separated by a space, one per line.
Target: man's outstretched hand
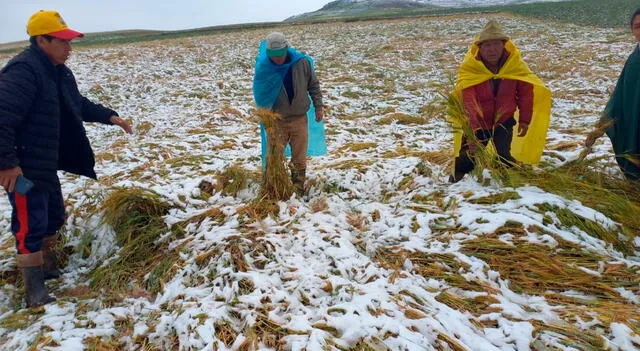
pixel 122 124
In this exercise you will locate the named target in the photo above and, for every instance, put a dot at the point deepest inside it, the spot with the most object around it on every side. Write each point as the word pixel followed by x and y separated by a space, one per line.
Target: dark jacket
pixel 304 84
pixel 41 116
pixel 623 109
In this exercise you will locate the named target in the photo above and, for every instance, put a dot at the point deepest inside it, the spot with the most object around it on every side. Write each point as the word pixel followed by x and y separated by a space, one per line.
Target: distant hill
pixel 614 13
pixel 475 3
pixel 582 12
pixel 346 8
pixel 341 5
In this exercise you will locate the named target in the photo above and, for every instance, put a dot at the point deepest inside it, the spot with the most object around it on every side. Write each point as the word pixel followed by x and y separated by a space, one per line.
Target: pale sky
pixel 108 15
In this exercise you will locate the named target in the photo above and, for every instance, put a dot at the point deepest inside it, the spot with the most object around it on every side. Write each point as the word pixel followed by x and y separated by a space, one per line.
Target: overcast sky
pixel 107 15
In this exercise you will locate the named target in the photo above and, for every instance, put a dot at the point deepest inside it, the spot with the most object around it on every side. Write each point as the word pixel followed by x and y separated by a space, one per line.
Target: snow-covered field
pixel 471 3
pixel 385 254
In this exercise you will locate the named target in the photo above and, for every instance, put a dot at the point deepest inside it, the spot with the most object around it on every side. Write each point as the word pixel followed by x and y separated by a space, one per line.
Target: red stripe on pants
pixel 23 220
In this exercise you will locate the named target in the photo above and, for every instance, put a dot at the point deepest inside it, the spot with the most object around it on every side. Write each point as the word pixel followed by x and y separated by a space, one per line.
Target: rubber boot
pixel 298 178
pixel 50 265
pixel 35 292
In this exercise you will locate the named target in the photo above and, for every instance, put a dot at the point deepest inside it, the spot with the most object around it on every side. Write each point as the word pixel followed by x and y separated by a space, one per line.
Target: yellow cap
pixel 50 23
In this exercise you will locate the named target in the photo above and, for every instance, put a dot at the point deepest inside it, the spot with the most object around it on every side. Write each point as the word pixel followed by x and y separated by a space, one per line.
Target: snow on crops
pixel 384 253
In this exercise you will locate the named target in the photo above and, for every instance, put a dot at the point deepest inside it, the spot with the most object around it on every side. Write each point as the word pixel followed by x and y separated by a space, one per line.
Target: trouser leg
pixel 296 135
pixel 284 133
pixel 29 220
pixel 30 224
pixel 502 137
pixel 464 162
pixel 56 216
pixel 299 142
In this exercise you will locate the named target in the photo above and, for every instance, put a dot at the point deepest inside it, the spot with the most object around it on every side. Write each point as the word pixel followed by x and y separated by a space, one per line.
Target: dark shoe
pixel 456 177
pixel 298 178
pixel 35 292
pixel 50 265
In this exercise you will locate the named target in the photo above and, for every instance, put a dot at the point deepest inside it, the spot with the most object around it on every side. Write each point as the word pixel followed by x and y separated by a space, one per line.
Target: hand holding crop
pixel 593 136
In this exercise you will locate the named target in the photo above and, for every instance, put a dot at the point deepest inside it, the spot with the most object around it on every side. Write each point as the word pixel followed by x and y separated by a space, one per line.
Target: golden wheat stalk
pixel 457 117
pixel 276 183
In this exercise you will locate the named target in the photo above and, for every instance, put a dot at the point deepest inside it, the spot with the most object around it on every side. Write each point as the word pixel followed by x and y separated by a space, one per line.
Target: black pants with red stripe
pixel 35 216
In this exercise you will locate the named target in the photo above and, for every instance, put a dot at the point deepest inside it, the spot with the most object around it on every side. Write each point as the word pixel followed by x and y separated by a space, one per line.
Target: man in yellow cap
pixel 41 131
pixel 497 92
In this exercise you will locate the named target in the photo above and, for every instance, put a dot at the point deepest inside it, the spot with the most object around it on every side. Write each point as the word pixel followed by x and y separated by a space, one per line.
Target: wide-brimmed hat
pixel 491 31
pixel 50 23
pixel 277 45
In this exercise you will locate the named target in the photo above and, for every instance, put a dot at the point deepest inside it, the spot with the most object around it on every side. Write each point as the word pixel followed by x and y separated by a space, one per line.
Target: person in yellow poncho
pixel 499 92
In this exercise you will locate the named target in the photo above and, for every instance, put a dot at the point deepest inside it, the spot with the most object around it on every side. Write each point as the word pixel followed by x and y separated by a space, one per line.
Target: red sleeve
pixel 524 95
pixel 471 107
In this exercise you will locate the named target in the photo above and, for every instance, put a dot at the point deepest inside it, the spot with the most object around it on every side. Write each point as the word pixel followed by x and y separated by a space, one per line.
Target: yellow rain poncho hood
pixel 527 149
